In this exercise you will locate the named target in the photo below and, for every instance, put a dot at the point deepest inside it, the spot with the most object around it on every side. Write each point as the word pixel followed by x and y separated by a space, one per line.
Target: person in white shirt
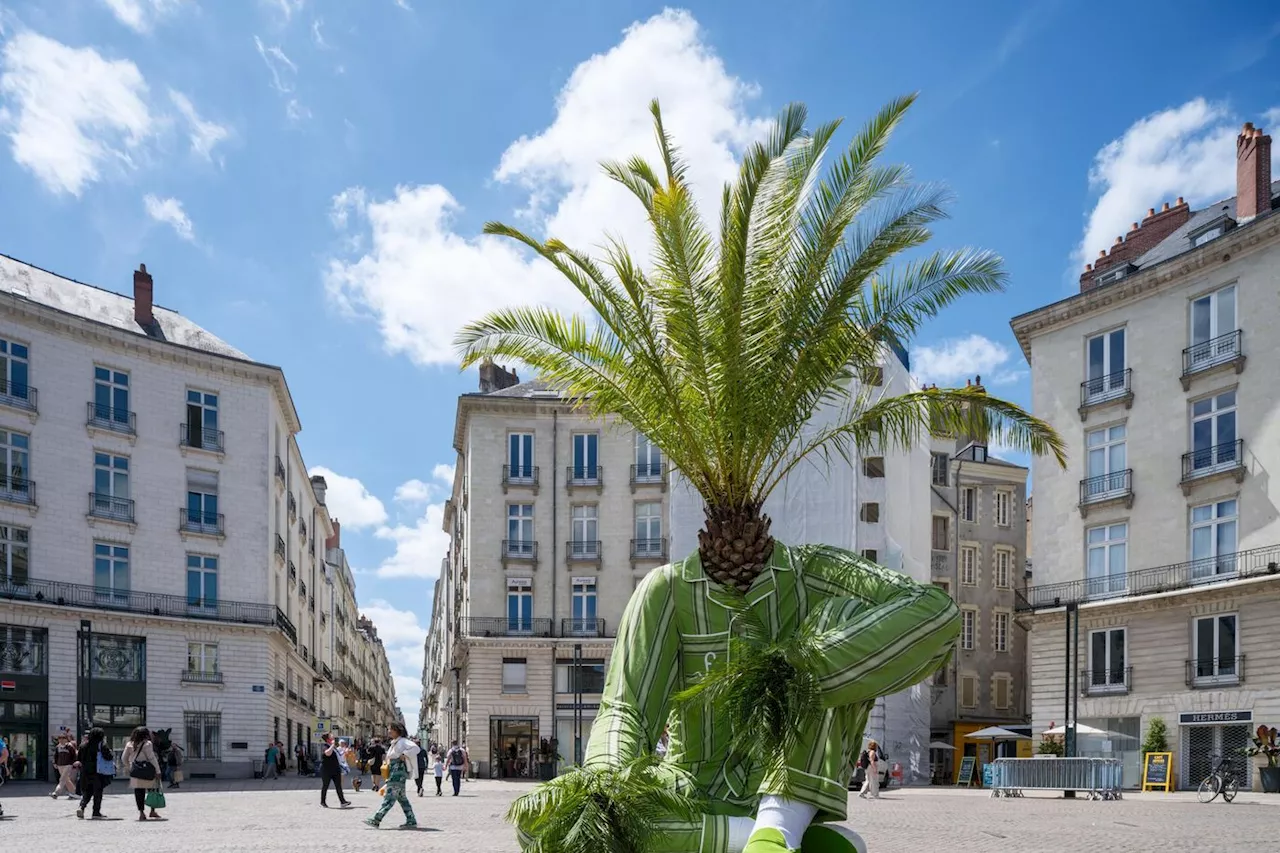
pixel 401 756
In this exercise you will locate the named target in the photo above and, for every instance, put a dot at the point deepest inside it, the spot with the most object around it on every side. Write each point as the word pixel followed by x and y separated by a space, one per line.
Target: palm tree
pixel 722 347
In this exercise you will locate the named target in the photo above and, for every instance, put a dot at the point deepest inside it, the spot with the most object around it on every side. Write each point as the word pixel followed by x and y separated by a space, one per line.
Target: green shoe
pixel 369 821
pixel 825 838
pixel 768 840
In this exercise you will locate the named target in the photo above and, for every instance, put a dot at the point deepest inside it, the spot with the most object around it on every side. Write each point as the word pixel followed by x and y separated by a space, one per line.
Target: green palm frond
pixel 591 809
pixel 722 345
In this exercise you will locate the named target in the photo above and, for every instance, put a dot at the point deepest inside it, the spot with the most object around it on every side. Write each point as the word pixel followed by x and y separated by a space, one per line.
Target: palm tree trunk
pixel 735 544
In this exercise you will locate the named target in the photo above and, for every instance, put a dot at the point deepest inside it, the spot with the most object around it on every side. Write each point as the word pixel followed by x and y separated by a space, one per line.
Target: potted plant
pixel 547 759
pixel 1050 745
pixel 1266 745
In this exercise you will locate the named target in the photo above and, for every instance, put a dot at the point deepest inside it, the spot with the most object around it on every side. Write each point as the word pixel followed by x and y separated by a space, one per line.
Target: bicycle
pixel 1222 780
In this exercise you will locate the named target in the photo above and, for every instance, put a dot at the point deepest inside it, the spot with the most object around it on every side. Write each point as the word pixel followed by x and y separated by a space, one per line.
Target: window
pixel 520 455
pixel 871 554
pixel 590 676
pixel 111 570
pixel 520 529
pixel 873 467
pixel 202 421
pixel 583 606
pixel 941 533
pixel 1002 692
pixel 14 370
pixel 204 735
pixel 648 459
pixel 968 504
pixel 22 650
pixel 1214 646
pixel 1213 433
pixel 515 675
pixel 1107 659
pixel 1105 367
pixel 202 581
pixel 1000 628
pixel 116 658
pixel 15 455
pixel 968 628
pixel 585 447
pixel 1213 539
pixel 1206 236
pixel 1213 322
pixel 968 691
pixel 586 531
pixel 15 555
pixel 1003 500
pixel 519 605
pixel 111 397
pixel 1004 565
pixel 1107 462
pixel 111 486
pixel 941 468
pixel 1108 550
pixel 968 565
pixel 202 501
pixel 870 512
pixel 649 528
pixel 873 376
pixel 202 658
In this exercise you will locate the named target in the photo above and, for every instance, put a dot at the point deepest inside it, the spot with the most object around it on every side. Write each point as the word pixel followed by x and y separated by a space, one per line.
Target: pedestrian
pixel 282 762
pixel 331 771
pixel 399 753
pixel 271 762
pixel 174 762
pixel 64 761
pixel 300 753
pixel 4 762
pixel 97 766
pixel 422 764
pixel 456 760
pixel 871 761
pixel 143 767
pixel 376 753
pixel 437 766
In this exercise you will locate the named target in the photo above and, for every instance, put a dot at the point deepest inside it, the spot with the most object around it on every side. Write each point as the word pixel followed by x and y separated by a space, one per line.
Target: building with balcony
pixel 1156 579
pixel 977 553
pixel 554 518
pixel 161 598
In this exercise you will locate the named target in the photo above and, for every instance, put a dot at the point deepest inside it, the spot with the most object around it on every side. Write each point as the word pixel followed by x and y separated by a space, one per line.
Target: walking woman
pixel 144 769
pixel 871 787
pixel 331 771
pixel 401 753
pixel 97 766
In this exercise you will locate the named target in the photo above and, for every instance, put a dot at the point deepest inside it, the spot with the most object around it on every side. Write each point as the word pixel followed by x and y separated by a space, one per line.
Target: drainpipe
pixel 555 553
pixel 955 583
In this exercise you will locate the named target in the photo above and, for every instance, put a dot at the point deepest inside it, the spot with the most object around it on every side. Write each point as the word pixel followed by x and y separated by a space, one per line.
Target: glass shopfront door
pixel 22 725
pixel 514 744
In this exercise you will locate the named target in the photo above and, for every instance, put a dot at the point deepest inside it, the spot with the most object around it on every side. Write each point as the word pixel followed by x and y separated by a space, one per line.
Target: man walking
pixel 271 769
pixel 456 761
pixel 64 760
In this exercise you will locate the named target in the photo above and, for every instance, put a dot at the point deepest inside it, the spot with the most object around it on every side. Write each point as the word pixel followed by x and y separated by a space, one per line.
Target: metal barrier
pixel 1099 778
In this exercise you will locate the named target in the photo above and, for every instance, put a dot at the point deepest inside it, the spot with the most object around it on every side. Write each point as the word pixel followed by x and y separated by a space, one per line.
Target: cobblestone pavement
pixel 265 817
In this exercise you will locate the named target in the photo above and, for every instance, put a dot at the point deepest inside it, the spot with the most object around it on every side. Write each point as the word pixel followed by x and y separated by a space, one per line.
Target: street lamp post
pixel 86 632
pixel 457 700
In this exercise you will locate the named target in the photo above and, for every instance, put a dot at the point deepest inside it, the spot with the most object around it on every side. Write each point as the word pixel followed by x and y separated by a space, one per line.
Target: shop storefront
pixel 1205 737
pixel 514 744
pixel 112 678
pixel 1121 738
pixel 24 699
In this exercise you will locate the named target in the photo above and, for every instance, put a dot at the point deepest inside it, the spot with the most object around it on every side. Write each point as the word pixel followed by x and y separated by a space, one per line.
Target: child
pixel 437 765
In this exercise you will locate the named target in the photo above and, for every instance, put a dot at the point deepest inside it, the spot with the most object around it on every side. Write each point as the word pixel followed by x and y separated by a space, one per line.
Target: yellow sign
pixel 1157 771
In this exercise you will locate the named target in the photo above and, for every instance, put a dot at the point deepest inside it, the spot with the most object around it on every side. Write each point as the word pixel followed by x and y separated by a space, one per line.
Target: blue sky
pixel 307 177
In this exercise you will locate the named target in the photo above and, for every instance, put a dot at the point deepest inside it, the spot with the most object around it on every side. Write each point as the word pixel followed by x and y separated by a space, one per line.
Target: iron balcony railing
pixel 519 549
pixel 302 585
pixel 286 626
pixel 1215 671
pixel 1105 681
pixel 306 653
pixel 1213 352
pixel 110 507
pixel 1206 570
pixel 1102 389
pixel 520 475
pixel 203 523
pixel 1105 487
pixel 582 628
pixel 116 420
pixel 326 672
pixel 196 676
pixel 649 549
pixel 648 473
pixel 293 696
pixel 938 563
pixel 293 507
pixel 201 438
pixel 17 395
pixel 17 490
pixel 503 626
pixel 280 475
pixel 584 475
pixel 1212 460
pixel 279 686
pixel 279 546
pixel 582 550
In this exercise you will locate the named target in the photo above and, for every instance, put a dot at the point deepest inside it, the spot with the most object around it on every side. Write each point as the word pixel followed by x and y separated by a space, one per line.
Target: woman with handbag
pixel 97 767
pixel 144 770
pixel 400 753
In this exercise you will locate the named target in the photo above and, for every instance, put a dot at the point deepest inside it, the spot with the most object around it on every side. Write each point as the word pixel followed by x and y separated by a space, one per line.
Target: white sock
pixel 789 817
pixel 740 833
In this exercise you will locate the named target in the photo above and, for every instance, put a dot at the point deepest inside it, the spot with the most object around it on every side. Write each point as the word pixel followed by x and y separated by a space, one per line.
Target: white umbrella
pixel 994 733
pixel 937 744
pixel 1080 729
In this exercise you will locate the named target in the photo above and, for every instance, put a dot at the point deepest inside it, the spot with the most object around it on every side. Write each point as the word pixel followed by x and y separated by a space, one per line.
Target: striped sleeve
pixel 637 688
pixel 889 634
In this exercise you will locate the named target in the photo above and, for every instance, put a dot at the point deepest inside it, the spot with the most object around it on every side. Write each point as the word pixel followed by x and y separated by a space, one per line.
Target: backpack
pixel 864 760
pixel 455 757
pixel 106 767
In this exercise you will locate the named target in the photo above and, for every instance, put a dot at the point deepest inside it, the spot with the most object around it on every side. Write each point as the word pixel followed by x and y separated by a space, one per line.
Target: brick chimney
pixel 1253 173
pixel 494 377
pixel 143 291
pixel 1142 237
pixel 334 541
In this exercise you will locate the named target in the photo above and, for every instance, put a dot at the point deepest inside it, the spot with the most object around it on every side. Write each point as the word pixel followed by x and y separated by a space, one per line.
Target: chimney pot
pixel 1166 207
pixel 1135 227
pixel 143 293
pixel 1253 173
pixel 1180 201
pixel 1088 267
pixel 1102 254
pixel 1248 127
pixel 1119 240
pixel 1151 211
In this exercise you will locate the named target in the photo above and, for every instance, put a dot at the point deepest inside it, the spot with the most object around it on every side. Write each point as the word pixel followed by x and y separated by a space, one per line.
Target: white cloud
pixel 444 474
pixel 956 359
pixel 71 113
pixel 350 502
pixel 421 279
pixel 1186 151
pixel 141 15
pixel 403 637
pixel 204 134
pixel 169 211
pixel 316 35
pixel 286 9
pixel 413 492
pixel 419 546
pixel 395 627
pixel 281 66
pixel 404 4
pixel 296 111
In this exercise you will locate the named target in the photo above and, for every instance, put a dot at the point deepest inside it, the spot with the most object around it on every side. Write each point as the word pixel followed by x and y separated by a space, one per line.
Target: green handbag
pixel 155 799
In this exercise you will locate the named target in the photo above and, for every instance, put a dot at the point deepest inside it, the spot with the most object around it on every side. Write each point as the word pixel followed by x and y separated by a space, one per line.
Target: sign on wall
pixel 1214 718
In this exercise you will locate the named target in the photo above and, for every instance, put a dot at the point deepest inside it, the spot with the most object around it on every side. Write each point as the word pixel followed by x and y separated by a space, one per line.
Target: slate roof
pixel 1177 243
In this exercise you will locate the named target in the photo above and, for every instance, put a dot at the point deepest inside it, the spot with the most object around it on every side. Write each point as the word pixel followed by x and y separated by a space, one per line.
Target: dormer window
pixel 1205 236
pixel 1211 230
pixel 1113 275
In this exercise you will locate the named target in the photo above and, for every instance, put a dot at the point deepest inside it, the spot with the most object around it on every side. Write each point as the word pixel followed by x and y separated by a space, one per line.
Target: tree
pixel 1157 739
pixel 723 346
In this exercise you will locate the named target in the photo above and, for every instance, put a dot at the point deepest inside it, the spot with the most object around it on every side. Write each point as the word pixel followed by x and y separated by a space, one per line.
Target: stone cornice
pixel 1261 234
pixel 507 406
